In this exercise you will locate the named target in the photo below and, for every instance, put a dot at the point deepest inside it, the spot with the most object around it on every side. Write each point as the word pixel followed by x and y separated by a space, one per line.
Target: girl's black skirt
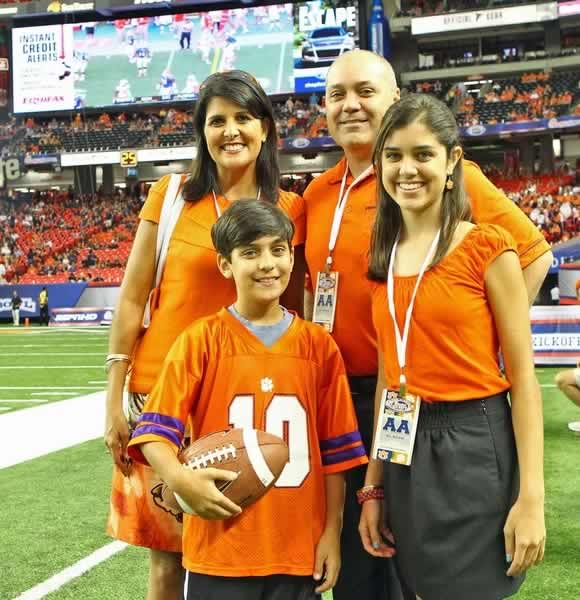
pixel 448 509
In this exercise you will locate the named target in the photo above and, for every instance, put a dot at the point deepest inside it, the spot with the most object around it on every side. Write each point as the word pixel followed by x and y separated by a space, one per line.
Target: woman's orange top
pixel 191 286
pixel 452 352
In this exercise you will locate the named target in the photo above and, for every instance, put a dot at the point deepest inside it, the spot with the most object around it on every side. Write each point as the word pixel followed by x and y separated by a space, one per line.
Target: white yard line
pixel 49 352
pixel 79 388
pixel 52 345
pixel 65 576
pixel 72 422
pixel 170 62
pixel 101 382
pixel 51 427
pixel 548 385
pixel 23 400
pixel 54 394
pixel 280 68
pixel 53 367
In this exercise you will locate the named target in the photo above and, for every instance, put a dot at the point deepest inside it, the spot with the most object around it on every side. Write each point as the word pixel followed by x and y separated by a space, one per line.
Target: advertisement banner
pixel 77 159
pixel 567 9
pixel 59 296
pixel 41 159
pixel 565 252
pixel 556 334
pixel 299 144
pixel 65 317
pixel 42 64
pixel 493 17
pixel 565 122
pixel 324 31
pixel 163 154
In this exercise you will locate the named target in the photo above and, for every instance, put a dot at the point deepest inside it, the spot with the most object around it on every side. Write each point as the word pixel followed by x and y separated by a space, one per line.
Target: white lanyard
pixel 402 341
pixel 339 210
pixel 217 206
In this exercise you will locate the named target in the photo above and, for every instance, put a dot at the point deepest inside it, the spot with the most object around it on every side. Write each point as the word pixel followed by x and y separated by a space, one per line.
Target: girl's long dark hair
pixel 440 121
pixel 242 89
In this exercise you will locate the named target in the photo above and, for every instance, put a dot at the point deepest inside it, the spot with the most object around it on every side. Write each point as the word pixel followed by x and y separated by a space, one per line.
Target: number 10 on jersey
pixel 284 414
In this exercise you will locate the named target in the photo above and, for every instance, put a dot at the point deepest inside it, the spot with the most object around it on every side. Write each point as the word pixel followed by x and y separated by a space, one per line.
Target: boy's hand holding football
pixel 197 488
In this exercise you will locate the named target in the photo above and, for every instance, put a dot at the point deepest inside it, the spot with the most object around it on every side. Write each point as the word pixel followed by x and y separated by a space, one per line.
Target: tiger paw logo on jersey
pixel 266 385
pixel 163 498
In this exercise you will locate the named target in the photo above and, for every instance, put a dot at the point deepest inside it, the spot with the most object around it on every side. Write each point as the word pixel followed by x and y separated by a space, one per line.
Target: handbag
pixel 170 212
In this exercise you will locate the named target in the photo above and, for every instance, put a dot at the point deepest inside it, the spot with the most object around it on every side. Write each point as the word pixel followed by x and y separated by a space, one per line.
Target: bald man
pixel 340 210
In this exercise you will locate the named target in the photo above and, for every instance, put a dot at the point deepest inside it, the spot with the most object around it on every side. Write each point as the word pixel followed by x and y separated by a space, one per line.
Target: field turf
pixel 55 506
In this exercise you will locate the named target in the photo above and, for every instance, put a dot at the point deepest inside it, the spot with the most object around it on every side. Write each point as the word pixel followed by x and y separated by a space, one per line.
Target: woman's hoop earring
pixel 449 183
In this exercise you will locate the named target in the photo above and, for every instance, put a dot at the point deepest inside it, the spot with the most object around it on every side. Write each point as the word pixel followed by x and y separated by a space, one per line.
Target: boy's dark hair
pixel 245 221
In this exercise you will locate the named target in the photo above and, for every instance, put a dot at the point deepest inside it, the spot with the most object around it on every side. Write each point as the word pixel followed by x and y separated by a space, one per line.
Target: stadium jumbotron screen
pixel 157 59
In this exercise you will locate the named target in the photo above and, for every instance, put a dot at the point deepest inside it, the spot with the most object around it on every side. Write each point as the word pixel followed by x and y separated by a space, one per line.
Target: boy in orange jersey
pixel 254 364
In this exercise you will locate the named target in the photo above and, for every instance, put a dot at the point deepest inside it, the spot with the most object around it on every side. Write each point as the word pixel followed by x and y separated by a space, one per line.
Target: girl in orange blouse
pixel 466 517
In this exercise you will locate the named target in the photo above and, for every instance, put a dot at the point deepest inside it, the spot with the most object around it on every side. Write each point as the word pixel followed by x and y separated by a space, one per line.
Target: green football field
pixel 268 55
pixel 55 506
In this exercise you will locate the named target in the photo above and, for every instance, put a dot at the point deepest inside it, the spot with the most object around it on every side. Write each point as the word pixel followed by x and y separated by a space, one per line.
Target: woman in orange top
pixel 465 521
pixel 237 158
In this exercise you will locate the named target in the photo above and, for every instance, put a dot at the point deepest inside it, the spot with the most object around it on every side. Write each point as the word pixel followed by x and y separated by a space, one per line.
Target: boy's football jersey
pixel 219 375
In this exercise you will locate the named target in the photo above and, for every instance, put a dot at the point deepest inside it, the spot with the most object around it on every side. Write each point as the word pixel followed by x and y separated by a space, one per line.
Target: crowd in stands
pixel 296 116
pixel 552 202
pixel 531 96
pixel 525 98
pixel 57 237
pixel 61 237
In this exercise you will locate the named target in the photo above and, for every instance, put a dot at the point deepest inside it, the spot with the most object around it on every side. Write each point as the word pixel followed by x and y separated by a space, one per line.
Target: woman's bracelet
pixel 370 492
pixel 113 358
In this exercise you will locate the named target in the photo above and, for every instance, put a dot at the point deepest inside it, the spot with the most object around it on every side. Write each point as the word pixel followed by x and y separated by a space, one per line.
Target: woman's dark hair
pixel 439 120
pixel 242 89
pixel 245 221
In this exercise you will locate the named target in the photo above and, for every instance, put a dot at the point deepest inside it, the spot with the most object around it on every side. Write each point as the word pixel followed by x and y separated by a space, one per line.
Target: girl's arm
pixel 525 531
pixel 372 528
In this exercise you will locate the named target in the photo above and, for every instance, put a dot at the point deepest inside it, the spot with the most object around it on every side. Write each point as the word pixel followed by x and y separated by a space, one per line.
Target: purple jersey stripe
pixel 163 420
pixel 344 456
pixel 343 440
pixel 156 430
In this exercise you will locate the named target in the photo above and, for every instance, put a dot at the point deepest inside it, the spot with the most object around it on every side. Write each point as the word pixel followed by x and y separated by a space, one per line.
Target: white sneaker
pixel 574 426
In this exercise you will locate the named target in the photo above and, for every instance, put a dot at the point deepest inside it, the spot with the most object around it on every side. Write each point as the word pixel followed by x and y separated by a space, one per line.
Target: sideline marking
pixel 49 353
pixel 23 400
pixel 67 575
pixel 278 89
pixel 53 367
pixel 80 388
pixel 550 385
pixel 72 421
pixel 63 393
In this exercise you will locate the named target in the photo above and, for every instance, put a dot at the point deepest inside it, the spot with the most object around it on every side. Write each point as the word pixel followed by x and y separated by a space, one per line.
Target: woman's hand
pixel 373 531
pixel 525 535
pixel 117 437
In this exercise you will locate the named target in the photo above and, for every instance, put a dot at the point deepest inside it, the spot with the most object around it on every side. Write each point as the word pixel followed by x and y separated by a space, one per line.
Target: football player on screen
pixel 142 57
pixel 167 84
pixel 123 92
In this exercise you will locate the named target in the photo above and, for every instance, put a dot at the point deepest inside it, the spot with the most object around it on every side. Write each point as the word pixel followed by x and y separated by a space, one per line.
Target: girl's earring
pixel 449 183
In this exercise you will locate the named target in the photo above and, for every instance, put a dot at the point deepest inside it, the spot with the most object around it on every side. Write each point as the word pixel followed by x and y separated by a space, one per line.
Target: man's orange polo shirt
pixel 353 327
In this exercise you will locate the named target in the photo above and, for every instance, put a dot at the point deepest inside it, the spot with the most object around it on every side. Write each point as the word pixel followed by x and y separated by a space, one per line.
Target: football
pixel 257 456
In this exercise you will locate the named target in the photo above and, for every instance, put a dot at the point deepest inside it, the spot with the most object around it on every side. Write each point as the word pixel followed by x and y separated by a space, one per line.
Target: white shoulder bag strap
pixel 170 212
